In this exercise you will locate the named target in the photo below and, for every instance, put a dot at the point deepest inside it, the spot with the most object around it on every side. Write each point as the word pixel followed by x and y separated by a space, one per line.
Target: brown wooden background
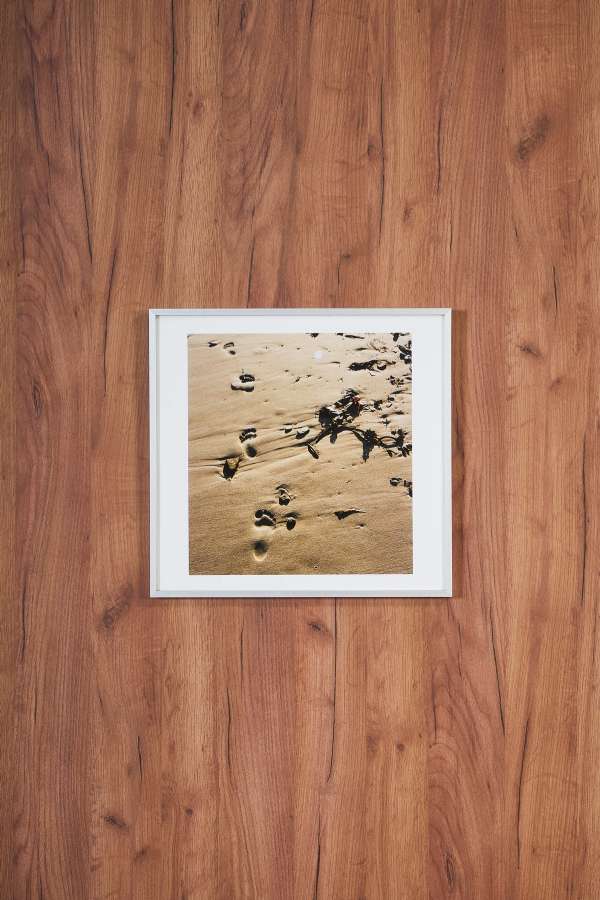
pixel 309 153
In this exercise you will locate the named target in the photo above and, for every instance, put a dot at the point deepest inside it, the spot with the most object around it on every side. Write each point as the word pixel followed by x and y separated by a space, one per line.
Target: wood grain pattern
pixel 317 153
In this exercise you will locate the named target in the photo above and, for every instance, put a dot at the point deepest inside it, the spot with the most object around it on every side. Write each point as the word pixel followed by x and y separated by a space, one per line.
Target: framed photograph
pixel 300 453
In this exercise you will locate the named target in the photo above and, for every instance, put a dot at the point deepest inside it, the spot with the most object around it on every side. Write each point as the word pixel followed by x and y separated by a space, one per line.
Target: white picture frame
pixel 432 476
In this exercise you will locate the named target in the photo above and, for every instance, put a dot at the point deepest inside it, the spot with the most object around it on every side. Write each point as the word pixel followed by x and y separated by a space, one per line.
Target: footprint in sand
pixel 265 517
pixel 244 382
pixel 290 521
pixel 230 467
pixel 283 495
pixel 261 549
pixel 247 435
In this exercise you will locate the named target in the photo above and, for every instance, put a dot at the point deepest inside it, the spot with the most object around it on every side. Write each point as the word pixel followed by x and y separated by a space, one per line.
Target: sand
pixel 300 453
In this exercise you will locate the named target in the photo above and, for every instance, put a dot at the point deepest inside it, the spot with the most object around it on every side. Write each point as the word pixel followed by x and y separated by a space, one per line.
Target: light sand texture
pixel 281 479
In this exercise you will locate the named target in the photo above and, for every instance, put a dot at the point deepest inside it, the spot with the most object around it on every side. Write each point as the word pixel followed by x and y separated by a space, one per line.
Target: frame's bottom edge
pixel 274 595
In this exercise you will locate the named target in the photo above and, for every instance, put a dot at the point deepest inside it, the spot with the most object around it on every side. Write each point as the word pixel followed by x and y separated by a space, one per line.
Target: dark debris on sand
pixel 371 364
pixel 405 352
pixel 344 513
pixel 404 482
pixel 340 416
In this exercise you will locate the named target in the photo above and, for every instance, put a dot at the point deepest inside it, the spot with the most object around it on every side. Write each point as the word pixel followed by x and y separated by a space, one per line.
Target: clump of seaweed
pixel 378 364
pixel 341 416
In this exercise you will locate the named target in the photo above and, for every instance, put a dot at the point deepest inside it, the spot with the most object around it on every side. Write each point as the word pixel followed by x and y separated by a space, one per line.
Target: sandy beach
pixel 300 451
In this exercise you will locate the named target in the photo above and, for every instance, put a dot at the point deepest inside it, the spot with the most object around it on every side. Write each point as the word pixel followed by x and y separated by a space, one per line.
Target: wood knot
pixel 113 613
pixel 530 349
pixel 36 396
pixel 450 870
pixel 372 743
pixel 533 138
pixel 116 822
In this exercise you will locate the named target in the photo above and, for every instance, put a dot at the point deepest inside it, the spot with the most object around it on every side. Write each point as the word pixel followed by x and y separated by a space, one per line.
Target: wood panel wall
pixel 299 153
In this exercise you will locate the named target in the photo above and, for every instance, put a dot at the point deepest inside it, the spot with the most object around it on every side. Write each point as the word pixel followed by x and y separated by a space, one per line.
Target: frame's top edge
pixel 307 311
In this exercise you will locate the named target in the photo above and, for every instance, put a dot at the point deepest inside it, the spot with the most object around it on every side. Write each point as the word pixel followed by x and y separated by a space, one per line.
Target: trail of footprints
pixel 269 518
pixel 263 516
pixel 244 381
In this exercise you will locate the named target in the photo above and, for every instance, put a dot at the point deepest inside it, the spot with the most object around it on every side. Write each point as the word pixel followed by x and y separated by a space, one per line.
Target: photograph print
pixel 300 453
